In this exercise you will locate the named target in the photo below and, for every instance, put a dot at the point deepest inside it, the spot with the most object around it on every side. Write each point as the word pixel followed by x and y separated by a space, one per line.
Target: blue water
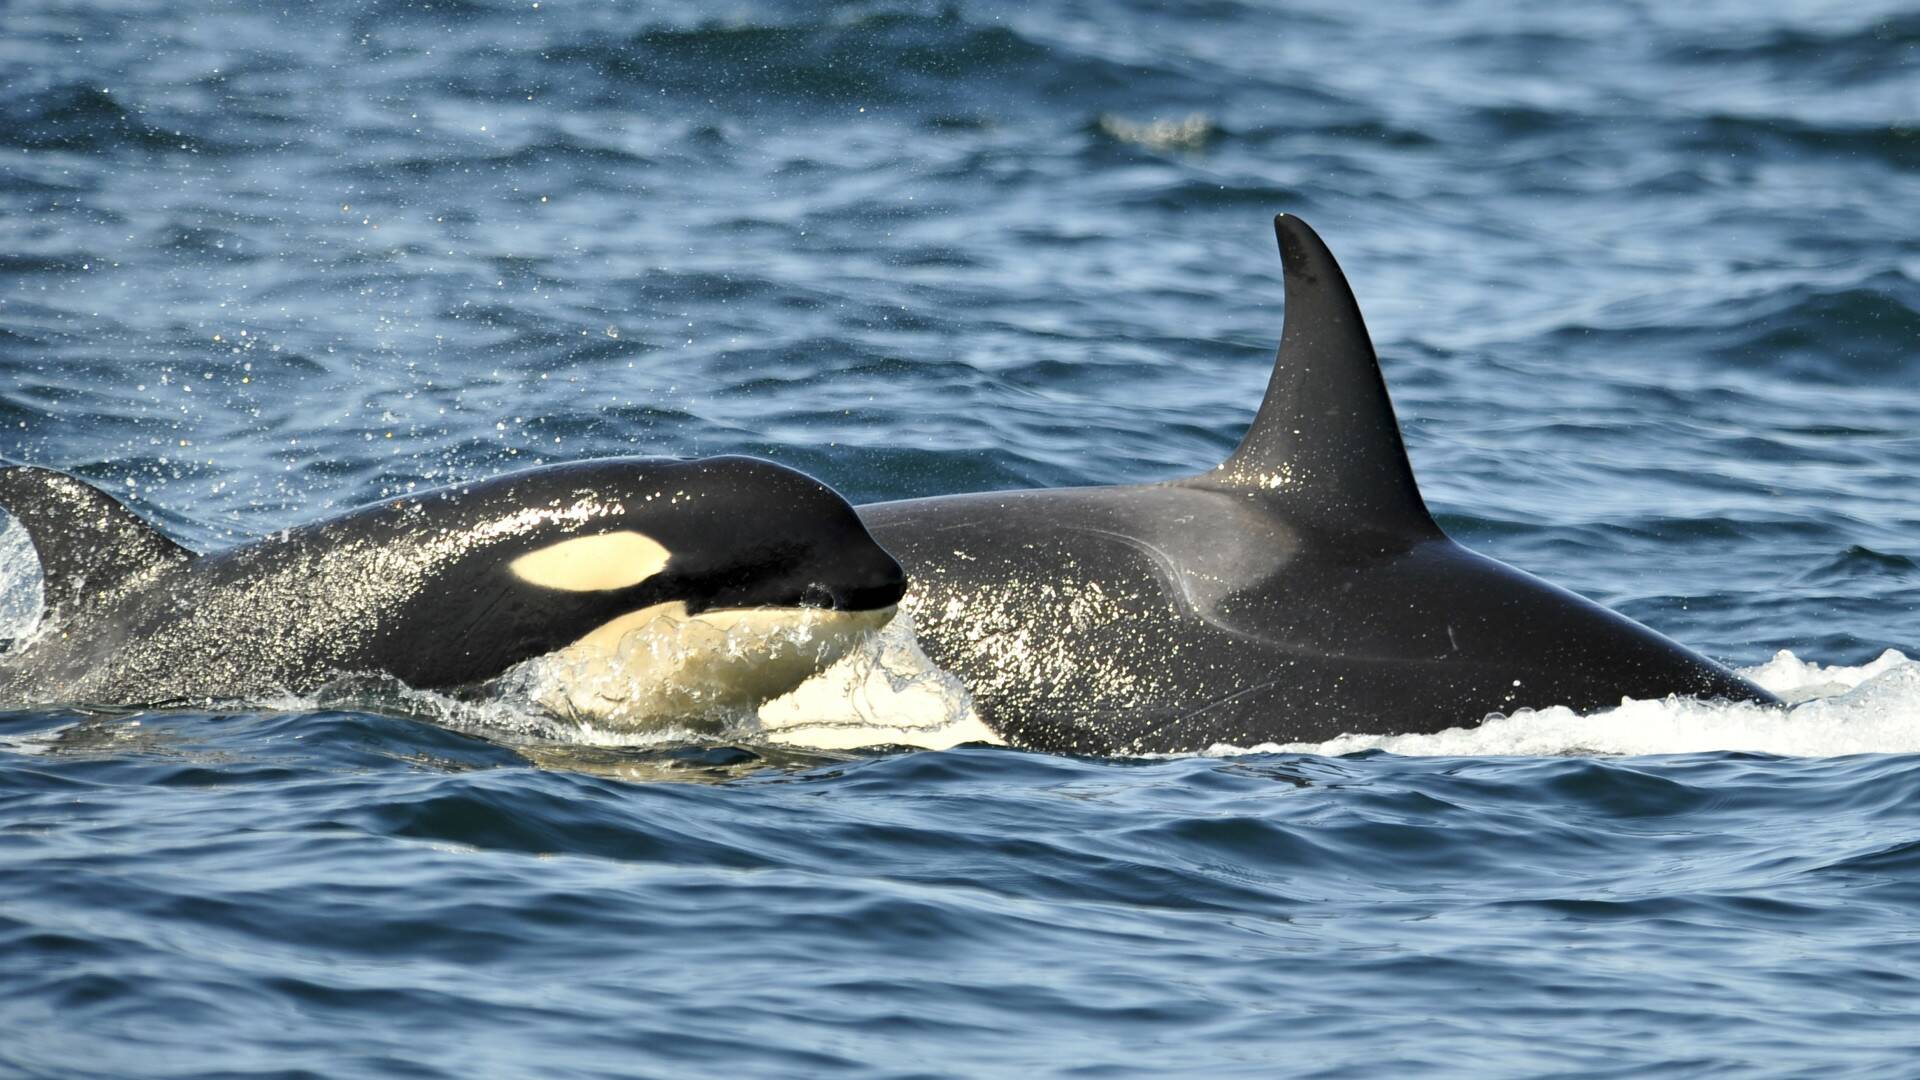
pixel 1646 283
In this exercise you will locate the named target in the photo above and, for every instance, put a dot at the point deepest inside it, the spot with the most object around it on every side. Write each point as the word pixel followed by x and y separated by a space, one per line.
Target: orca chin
pixel 665 668
pixel 1297 592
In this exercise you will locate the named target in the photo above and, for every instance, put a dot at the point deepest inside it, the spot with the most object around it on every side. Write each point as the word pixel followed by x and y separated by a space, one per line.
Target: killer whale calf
pixel 1299 591
pixel 657 587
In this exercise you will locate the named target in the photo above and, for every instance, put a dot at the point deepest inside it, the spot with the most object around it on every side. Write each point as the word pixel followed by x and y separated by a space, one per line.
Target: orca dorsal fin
pixel 1325 444
pixel 88 543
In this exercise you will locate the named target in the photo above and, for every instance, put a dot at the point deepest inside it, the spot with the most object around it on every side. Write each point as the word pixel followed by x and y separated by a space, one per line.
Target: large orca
pixel 657 588
pixel 1298 591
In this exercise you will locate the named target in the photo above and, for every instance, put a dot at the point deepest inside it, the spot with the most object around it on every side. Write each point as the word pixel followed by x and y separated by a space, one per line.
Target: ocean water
pixel 1645 279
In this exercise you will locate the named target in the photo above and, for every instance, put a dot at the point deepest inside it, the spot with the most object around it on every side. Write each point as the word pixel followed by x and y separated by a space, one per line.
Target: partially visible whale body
pixel 657 587
pixel 1297 592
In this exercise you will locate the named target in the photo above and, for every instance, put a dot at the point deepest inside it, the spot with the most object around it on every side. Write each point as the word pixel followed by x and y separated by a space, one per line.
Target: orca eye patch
pixel 595 563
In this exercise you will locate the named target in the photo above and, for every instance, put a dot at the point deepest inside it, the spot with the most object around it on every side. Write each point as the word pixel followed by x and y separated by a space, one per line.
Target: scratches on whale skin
pixel 1171 572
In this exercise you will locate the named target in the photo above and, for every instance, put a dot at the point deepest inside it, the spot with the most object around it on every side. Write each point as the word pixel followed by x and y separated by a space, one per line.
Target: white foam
pixel 19 581
pixel 1873 708
pixel 1794 679
pixel 887 693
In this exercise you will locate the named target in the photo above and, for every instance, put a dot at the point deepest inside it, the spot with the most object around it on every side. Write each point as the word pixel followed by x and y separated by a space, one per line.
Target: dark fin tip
pixel 1325 443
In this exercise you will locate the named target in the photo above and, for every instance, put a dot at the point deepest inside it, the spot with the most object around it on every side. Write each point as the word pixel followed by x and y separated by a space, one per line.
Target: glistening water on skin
pixel 646 590
pixel 1297 592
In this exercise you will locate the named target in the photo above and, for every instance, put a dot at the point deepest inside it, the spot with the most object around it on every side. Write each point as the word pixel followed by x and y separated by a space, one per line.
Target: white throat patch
pixel 595 563
pixel 663 663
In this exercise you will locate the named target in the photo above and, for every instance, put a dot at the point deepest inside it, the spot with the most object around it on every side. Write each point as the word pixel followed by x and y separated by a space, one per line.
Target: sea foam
pixel 1872 708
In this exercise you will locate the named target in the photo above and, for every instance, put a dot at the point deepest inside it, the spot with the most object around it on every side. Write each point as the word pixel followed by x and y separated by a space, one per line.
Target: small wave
pixel 75 117
pixel 575 160
pixel 1833 711
pixel 1839 333
pixel 1189 194
pixel 1866 331
pixel 1859 563
pixel 965 67
pixel 1854 54
pixel 875 58
pixel 1767 137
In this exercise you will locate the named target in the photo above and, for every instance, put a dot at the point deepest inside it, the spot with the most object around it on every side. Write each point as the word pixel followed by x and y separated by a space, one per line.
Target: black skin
pixel 1299 592
pixel 1312 636
pixel 417 587
pixel 757 535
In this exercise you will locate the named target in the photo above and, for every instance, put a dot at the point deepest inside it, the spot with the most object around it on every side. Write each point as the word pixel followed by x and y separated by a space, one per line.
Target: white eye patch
pixel 612 560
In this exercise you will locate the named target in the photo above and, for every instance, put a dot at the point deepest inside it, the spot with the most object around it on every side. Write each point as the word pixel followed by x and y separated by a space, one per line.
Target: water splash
pixel 887 693
pixel 20 591
pixel 1871 708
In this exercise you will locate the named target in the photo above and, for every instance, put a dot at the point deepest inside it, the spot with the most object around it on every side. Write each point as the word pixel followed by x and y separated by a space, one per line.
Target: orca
pixel 652 588
pixel 1299 591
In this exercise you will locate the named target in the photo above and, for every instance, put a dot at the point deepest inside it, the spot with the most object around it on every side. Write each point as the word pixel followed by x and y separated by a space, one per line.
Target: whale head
pixel 634 592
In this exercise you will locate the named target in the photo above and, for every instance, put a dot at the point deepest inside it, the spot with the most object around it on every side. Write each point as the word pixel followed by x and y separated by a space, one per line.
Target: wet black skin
pixel 1299 592
pixel 417 587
